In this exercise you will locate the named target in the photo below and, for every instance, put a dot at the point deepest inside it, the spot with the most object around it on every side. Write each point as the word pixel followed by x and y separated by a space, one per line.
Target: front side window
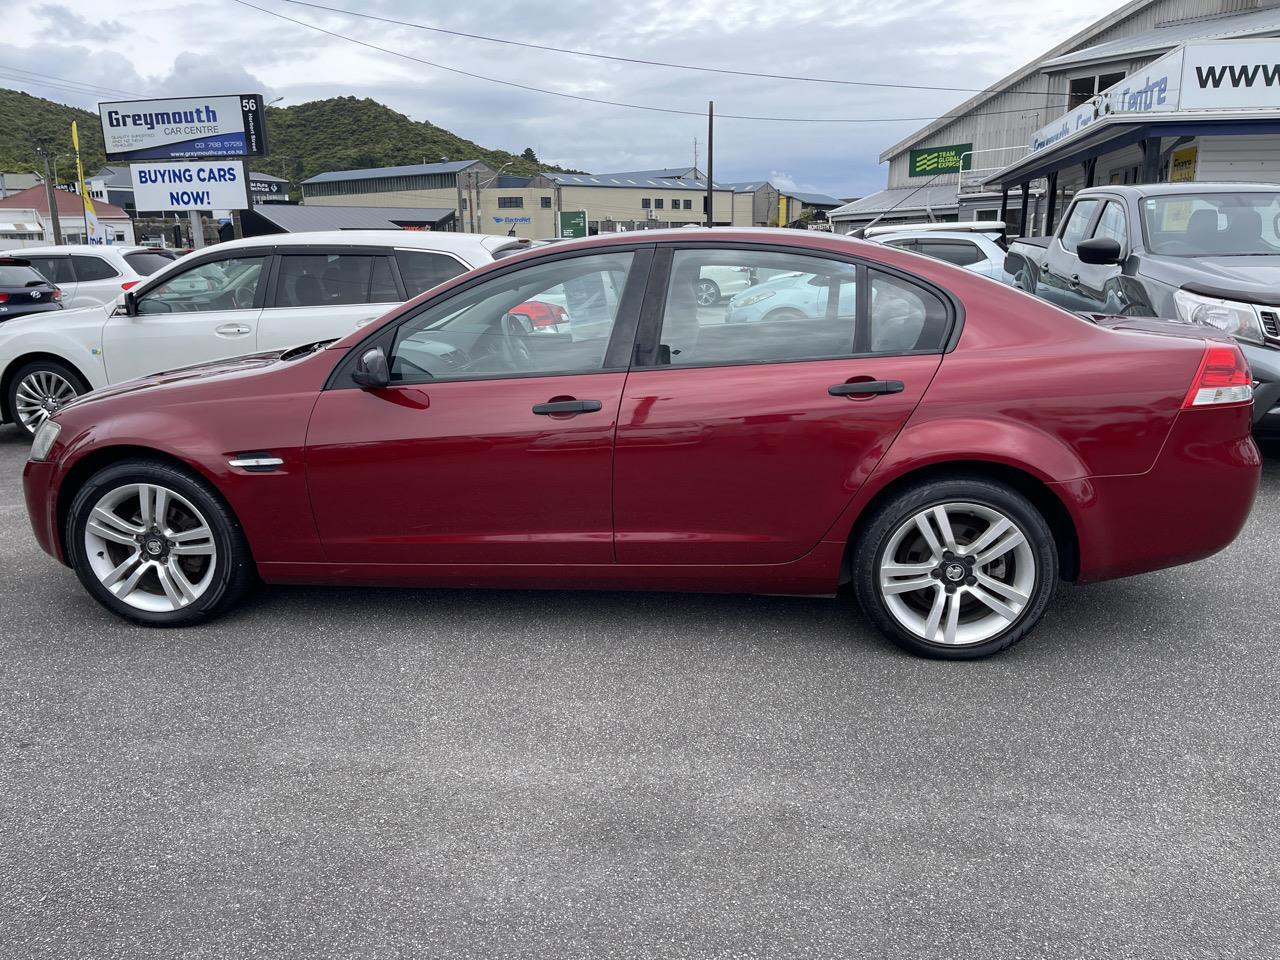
pixel 549 318
pixel 92 268
pixel 328 280
pixel 421 270
pixel 1077 224
pixel 1112 224
pixel 230 284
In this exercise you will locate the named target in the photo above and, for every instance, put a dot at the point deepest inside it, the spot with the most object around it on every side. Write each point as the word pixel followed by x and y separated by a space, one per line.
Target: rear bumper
pixel 1192 503
pixel 1264 364
pixel 42 506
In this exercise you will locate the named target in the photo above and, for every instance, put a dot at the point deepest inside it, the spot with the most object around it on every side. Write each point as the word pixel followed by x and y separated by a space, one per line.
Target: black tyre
pixel 783 313
pixel 157 545
pixel 706 292
pixel 38 390
pixel 957 568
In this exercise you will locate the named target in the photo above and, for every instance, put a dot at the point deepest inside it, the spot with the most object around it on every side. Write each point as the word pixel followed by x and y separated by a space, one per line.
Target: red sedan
pixel 950 446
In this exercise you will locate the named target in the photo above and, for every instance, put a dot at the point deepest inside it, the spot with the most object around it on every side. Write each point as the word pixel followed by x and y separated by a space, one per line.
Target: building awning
pixel 1119 130
pixel 938 198
pixel 20 228
pixel 295 218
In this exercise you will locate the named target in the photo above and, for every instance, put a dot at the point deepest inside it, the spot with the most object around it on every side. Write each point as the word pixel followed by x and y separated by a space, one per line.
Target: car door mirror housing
pixel 372 371
pixel 130 303
pixel 1099 251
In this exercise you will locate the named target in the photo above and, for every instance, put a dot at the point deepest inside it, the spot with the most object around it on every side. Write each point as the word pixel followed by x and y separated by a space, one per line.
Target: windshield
pixel 13 275
pixel 1213 224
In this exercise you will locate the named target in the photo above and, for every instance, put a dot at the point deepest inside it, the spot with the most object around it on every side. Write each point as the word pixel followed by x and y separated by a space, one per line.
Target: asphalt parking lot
pixel 379 773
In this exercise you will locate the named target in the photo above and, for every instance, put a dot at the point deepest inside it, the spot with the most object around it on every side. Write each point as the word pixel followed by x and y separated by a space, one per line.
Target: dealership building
pixel 1158 90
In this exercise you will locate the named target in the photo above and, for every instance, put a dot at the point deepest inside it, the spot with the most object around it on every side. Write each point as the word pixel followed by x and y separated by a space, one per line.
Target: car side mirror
pixel 130 303
pixel 1099 251
pixel 372 371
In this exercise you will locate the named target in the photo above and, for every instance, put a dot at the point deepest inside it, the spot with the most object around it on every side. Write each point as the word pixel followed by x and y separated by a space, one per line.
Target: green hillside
pixel 341 133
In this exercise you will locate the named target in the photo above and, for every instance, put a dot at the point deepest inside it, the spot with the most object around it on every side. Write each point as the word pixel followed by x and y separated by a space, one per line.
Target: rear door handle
pixel 567 406
pixel 860 388
pixel 233 329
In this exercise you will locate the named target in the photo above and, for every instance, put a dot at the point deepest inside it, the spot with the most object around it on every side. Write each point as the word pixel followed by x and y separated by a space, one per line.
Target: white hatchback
pixel 243 296
pixel 93 275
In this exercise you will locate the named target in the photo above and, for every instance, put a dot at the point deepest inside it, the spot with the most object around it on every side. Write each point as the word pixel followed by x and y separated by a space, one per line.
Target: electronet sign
pixel 207 185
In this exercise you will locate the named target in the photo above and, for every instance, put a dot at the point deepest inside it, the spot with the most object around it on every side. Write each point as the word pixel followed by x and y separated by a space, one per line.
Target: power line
pixel 90 87
pixel 598 100
pixel 638 60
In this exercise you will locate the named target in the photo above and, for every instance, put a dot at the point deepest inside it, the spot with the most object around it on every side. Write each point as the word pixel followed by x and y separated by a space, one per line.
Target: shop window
pixel 546 203
pixel 508 203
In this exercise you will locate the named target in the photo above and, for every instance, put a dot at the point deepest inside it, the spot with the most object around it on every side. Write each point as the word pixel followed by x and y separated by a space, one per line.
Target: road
pixel 380 773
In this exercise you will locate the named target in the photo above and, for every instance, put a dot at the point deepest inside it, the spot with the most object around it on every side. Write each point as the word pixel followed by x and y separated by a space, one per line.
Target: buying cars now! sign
pixel 184 127
pixel 199 185
pixel 929 161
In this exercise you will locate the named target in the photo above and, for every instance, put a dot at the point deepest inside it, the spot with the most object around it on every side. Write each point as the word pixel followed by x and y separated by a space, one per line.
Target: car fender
pixel 74 337
pixel 928 443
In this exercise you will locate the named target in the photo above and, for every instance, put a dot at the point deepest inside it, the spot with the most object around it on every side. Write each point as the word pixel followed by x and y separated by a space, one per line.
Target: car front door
pixel 741 444
pixel 1105 286
pixel 1060 273
pixel 195 314
pixel 493 442
pixel 321 294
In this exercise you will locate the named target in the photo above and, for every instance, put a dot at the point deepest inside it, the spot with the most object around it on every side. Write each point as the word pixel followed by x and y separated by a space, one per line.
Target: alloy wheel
pixel 957 574
pixel 150 547
pixel 706 293
pixel 40 395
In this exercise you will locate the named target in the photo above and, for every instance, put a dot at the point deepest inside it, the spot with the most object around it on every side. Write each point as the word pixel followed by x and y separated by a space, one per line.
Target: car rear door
pixel 741 444
pixel 98 282
pixel 56 268
pixel 321 293
pixel 493 444
pixel 197 312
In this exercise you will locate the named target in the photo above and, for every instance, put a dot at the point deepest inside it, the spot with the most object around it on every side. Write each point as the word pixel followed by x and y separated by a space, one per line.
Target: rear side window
pixel 145 263
pixel 319 280
pixel 421 270
pixel 960 252
pixel 905 317
pixel 55 269
pixel 92 268
pixel 14 275
pixel 1077 224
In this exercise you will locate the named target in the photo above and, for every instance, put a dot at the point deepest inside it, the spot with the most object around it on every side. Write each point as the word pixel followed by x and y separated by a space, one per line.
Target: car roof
pixel 120 248
pixel 932 235
pixel 474 244
pixel 1191 186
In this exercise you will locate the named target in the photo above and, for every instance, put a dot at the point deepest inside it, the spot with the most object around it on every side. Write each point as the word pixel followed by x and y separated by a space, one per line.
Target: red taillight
pixel 57 293
pixel 554 315
pixel 1223 377
pixel 3 297
pixel 129 283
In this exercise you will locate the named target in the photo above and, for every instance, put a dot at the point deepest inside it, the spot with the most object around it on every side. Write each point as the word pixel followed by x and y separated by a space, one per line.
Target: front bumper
pixel 42 505
pixel 1264 363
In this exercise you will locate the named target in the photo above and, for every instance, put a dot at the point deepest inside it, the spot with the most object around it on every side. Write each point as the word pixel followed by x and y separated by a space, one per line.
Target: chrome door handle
pixel 233 329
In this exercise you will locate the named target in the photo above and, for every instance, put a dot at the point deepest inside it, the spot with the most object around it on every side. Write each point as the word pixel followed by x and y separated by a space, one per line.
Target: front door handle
pixel 233 330
pixel 1075 279
pixel 863 388
pixel 554 407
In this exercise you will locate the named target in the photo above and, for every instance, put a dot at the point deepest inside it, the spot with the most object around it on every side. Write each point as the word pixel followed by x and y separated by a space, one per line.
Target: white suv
pixel 244 296
pixel 92 275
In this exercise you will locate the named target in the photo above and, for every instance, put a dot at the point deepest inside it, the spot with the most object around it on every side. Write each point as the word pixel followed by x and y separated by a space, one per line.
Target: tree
pixel 529 155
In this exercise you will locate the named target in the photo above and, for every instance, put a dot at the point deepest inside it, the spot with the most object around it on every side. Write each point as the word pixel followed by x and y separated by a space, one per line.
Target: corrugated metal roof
pixel 941 197
pixel 1166 36
pixel 812 199
pixel 512 180
pixel 411 170
pixel 662 173
pixel 745 186
pixel 636 181
pixel 295 218
pixel 253 175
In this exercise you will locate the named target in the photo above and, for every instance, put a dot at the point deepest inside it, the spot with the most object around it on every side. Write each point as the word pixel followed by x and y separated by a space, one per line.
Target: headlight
pixel 45 436
pixel 1238 319
pixel 753 299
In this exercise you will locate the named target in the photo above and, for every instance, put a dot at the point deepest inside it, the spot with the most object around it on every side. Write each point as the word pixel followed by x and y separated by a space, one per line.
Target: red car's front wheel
pixel 959 568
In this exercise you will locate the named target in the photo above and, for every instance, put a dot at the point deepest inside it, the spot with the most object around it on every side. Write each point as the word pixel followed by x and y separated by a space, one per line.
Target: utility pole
pixel 711 134
pixel 48 192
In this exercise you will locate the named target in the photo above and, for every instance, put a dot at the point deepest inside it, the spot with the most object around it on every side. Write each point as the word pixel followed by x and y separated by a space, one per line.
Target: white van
pixel 240 297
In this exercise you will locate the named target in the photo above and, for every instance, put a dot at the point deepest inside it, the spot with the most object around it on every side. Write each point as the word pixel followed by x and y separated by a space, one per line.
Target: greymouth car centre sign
pixel 184 127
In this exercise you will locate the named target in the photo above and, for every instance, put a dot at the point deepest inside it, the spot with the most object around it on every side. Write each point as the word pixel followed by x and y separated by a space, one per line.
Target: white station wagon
pixel 239 297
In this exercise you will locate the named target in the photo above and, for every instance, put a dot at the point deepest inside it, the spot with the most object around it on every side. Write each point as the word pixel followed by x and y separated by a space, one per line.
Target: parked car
pixel 23 291
pixel 977 246
pixel 92 275
pixel 243 296
pixel 948 444
pixel 1199 252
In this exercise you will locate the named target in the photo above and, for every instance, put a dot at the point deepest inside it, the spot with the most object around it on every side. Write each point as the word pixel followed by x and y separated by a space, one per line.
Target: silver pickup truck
pixel 1196 252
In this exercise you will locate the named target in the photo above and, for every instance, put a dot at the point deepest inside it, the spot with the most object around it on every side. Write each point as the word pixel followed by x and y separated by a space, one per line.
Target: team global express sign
pixel 203 185
pixel 184 127
pixel 933 160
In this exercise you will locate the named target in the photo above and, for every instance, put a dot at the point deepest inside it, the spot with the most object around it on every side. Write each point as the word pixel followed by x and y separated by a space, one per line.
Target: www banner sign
pixel 1231 74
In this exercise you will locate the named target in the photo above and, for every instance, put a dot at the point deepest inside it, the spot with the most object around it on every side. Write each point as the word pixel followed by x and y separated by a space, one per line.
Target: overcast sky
pixel 173 47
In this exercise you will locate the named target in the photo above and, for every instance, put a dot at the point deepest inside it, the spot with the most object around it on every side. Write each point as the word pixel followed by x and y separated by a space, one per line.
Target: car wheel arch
pixel 11 370
pixel 1035 488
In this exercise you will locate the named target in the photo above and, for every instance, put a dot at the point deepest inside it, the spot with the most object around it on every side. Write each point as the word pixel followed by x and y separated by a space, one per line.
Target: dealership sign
pixel 1210 75
pixel 932 160
pixel 201 185
pixel 184 127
